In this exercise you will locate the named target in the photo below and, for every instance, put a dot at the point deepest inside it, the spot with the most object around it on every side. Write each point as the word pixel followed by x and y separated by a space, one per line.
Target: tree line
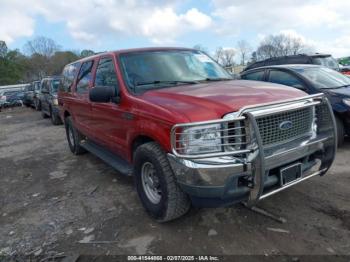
pixel 269 47
pixel 43 56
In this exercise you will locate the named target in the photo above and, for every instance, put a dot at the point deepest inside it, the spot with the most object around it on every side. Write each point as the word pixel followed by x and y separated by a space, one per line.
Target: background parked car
pixel 36 95
pixel 312 79
pixel 28 95
pixel 2 99
pixel 316 59
pixel 48 99
pixel 12 98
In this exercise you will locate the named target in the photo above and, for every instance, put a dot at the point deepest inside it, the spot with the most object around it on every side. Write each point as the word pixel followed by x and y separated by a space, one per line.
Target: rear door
pixel 81 106
pixel 109 119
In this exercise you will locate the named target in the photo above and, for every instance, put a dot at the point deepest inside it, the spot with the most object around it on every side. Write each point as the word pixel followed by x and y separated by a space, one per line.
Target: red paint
pixel 155 112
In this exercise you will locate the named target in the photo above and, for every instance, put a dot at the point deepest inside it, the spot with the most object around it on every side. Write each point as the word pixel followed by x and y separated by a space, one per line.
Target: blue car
pixel 312 79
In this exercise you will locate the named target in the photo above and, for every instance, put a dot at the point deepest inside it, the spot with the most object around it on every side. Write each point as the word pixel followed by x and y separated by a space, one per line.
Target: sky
pixel 103 25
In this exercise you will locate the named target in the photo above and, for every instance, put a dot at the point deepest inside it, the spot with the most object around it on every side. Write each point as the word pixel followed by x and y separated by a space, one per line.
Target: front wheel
pixel 340 131
pixel 156 184
pixel 55 119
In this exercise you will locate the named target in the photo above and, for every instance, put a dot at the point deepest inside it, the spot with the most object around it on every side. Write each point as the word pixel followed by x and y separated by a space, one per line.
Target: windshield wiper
pixel 208 79
pixel 171 82
pixel 336 87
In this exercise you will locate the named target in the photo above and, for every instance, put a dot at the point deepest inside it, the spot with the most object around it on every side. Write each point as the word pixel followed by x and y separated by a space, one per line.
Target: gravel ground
pixel 52 202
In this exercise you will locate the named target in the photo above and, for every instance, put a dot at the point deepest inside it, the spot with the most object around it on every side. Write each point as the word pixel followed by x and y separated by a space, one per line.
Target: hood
pixel 343 91
pixel 212 100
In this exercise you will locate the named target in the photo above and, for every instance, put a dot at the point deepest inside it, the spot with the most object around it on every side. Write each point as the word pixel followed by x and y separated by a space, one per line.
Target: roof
pixel 133 50
pixel 287 66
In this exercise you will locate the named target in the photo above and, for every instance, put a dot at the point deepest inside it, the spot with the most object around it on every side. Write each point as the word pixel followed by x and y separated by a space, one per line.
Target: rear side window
pixel 284 78
pixel 84 77
pixel 257 76
pixel 105 74
pixel 68 76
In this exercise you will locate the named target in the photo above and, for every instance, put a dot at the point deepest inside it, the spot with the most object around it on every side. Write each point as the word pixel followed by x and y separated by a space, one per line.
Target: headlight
pixel 346 101
pixel 55 101
pixel 201 139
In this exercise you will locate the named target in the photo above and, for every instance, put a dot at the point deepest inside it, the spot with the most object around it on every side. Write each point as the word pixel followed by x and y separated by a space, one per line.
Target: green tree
pixel 59 60
pixel 11 68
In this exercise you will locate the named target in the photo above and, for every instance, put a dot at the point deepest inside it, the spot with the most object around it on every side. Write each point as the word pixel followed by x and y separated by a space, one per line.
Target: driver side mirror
pixel 104 94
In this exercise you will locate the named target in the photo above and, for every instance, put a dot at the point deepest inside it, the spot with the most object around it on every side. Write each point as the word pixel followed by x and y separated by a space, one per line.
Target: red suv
pixel 188 133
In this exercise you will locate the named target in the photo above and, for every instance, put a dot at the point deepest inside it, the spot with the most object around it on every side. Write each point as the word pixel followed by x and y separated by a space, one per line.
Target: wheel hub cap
pixel 150 183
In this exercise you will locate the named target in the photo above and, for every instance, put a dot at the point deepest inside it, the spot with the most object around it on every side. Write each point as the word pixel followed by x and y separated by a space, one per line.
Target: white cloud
pixel 324 23
pixel 164 25
pixel 91 21
pixel 13 22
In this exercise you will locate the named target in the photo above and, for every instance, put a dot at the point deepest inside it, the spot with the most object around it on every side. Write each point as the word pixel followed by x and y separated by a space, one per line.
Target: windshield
pixel 323 77
pixel 54 85
pixel 327 61
pixel 156 69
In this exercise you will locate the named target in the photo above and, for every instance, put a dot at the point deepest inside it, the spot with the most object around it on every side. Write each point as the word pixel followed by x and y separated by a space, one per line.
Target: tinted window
pixel 84 77
pixel 54 85
pixel 323 77
pixel 327 61
pixel 258 76
pixel 68 75
pixel 284 78
pixel 105 74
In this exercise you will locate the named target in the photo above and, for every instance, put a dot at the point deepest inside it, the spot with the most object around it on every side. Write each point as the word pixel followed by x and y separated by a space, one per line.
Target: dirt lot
pixel 53 201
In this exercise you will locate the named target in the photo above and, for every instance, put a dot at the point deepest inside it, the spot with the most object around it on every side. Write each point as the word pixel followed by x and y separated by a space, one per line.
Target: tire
pixel 37 105
pixel 55 119
pixel 44 115
pixel 340 131
pixel 74 137
pixel 173 202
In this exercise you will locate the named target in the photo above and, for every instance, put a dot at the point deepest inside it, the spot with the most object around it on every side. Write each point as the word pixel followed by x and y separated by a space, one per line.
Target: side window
pixel 105 74
pixel 44 86
pixel 68 76
pixel 284 78
pixel 84 77
pixel 257 76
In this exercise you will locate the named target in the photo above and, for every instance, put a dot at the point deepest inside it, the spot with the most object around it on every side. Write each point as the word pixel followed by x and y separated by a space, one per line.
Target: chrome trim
pixel 286 101
pixel 297 181
pixel 205 170
pixel 267 108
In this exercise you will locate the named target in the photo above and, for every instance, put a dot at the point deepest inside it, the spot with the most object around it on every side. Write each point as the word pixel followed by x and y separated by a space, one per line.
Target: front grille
pixel 236 135
pixel 323 118
pixel 272 133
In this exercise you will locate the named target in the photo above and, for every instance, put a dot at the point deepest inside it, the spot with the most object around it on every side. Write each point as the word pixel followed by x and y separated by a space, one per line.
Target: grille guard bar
pixel 258 163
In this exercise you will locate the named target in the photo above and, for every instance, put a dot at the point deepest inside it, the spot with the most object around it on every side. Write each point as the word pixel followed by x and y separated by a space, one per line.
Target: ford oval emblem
pixel 285 125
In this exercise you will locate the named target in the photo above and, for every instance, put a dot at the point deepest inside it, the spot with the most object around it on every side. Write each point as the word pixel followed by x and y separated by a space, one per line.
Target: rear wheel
pixel 156 184
pixel 74 138
pixel 44 115
pixel 340 131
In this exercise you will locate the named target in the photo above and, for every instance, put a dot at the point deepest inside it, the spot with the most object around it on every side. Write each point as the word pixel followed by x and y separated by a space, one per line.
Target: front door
pixel 108 118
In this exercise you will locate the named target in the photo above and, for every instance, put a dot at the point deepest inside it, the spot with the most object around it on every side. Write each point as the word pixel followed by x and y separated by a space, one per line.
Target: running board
pixel 107 156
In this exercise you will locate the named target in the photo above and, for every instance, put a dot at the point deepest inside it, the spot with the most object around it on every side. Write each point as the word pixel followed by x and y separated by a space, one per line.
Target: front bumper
pixel 225 180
